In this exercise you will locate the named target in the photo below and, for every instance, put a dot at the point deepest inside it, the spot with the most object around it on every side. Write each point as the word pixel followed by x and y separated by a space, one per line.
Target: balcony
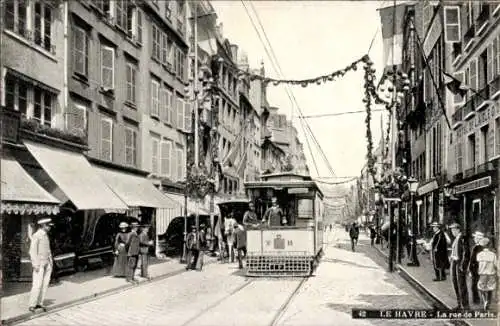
pixel 469 36
pixel 480 168
pixel 483 18
pixel 73 139
pixel 481 97
pixel 468 108
pixel 457 117
pixel 495 87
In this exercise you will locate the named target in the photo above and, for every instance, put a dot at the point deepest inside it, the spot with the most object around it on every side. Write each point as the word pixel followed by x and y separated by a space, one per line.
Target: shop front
pixel 23 203
pixel 477 197
pixel 427 201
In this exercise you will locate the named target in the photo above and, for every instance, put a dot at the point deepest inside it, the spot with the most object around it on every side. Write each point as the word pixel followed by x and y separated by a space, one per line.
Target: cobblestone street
pixel 221 295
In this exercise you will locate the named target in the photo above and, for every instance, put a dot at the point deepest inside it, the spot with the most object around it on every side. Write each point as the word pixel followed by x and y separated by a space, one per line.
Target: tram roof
pixel 283 184
pixel 267 176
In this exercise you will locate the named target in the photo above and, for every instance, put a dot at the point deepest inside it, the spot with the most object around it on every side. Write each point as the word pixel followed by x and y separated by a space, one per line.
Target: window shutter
pixel 154 155
pixel 490 64
pixel 187 117
pixel 106 139
pixel 164 42
pixel 77 118
pixel 496 49
pixel 164 158
pixel 179 164
pixel 139 26
pixel 169 107
pixel 452 24
pixel 473 74
pixel 180 114
pixel 163 104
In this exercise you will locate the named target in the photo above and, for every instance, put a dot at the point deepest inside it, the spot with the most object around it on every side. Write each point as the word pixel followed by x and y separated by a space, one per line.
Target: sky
pixel 312 38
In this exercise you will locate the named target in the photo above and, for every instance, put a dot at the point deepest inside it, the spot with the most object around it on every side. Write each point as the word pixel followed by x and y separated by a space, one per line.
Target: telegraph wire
pixel 337 114
pixel 290 92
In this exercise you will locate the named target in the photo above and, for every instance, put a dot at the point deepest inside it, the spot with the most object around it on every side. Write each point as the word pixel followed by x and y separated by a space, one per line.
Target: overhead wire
pixel 338 113
pixel 290 93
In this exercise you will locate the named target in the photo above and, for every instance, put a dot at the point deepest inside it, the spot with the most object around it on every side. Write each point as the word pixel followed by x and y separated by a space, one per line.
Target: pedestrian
pixel 144 243
pixel 133 245
pixel 459 260
pixel 353 234
pixel 42 263
pixel 439 252
pixel 193 246
pixel 241 243
pixel 474 266
pixel 487 271
pixel 373 235
pixel 120 251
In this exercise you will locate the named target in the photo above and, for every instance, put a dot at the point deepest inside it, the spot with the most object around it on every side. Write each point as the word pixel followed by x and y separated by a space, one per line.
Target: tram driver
pixel 250 216
pixel 274 215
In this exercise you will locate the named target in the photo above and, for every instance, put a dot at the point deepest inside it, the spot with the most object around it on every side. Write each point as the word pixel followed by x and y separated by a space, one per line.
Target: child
pixel 487 263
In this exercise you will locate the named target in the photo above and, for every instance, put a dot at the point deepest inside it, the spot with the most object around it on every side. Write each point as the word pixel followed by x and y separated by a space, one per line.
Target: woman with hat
pixel 120 264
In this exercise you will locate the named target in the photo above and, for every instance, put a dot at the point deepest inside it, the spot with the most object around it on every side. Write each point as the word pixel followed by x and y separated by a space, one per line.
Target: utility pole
pixel 196 113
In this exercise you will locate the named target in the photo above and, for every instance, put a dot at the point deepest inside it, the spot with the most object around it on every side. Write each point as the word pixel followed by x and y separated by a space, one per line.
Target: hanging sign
pixel 473 185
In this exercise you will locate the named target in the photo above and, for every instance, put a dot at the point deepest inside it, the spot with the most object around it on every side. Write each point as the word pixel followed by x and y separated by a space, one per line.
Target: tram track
pixel 284 307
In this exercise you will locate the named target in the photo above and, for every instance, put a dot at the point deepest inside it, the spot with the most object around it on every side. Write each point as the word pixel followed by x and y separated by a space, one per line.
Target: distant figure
pixel 42 262
pixel 459 260
pixel 192 243
pixel 373 235
pixel 132 252
pixel 474 266
pixel 487 271
pixel 330 228
pixel 274 215
pixel 353 234
pixel 120 251
pixel 241 243
pixel 439 252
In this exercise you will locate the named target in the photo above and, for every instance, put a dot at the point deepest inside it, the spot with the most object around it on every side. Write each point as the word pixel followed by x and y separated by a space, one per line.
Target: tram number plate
pixel 279 243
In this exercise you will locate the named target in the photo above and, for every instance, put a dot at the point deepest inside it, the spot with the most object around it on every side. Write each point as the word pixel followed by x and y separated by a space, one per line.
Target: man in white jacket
pixel 42 262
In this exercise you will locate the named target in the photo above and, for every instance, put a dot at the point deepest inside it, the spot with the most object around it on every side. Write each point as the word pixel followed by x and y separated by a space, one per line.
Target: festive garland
pixel 368 101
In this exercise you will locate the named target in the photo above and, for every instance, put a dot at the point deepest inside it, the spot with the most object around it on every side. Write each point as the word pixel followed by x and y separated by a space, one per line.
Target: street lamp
pixel 413 183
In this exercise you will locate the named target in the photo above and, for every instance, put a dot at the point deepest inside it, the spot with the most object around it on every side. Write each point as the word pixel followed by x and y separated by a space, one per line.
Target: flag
pixel 233 153
pixel 392 33
pixel 454 85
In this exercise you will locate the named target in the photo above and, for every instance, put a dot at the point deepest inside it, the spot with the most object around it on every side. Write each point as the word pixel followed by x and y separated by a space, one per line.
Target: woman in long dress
pixel 120 250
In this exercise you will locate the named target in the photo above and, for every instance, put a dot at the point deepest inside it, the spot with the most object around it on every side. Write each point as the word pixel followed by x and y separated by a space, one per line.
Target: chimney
pixel 234 52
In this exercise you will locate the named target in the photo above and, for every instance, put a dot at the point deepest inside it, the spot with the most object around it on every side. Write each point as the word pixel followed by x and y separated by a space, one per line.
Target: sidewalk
pixel 80 287
pixel 422 279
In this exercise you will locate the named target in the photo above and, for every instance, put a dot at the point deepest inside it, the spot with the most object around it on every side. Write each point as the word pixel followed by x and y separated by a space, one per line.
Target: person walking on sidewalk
pixel 459 261
pixel 133 245
pixel 120 246
pixel 193 246
pixel 373 235
pixel 42 262
pixel 487 265
pixel 439 252
pixel 353 234
pixel 473 266
pixel 144 243
pixel 241 243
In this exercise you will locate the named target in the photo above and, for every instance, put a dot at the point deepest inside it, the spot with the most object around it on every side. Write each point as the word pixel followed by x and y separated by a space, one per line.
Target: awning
pixel 20 194
pixel 74 175
pixel 134 190
pixel 191 205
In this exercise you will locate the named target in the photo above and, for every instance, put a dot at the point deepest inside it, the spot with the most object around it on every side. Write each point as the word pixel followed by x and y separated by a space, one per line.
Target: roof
pixel 283 184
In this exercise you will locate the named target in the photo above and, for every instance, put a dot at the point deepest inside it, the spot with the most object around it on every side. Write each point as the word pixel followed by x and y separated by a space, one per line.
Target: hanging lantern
pixel 304 84
pixel 318 82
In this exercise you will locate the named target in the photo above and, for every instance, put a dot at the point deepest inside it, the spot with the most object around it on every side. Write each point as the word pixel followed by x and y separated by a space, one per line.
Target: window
pixel 42 111
pixel 472 151
pixel 107 67
pixel 166 47
pixel 180 113
pixel 155 98
pixel 104 6
pixel 131 72
pixel 107 139
pixel 130 146
pixel 43 22
pixel 484 143
pixel 156 44
pixel 16 16
pixel 16 94
pixel 452 31
pixel 121 14
pixel 166 154
pixel 134 23
pixel 490 63
pixel 482 70
pixel 497 136
pixel 155 143
pixel 80 51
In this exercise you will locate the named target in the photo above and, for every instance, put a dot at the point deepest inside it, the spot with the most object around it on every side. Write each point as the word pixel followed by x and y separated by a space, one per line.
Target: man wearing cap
pixel 439 252
pixel 192 244
pixel 459 260
pixel 474 265
pixel 133 245
pixel 274 214
pixel 42 262
pixel 144 244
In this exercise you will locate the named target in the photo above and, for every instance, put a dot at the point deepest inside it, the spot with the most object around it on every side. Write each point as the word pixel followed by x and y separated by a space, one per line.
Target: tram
pixel 294 245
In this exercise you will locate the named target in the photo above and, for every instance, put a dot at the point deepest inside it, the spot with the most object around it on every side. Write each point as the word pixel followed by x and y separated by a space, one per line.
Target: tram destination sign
pixel 473 185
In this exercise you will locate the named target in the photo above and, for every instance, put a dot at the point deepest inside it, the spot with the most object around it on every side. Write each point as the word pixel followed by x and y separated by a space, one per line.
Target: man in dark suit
pixel 439 252
pixel 144 244
pixel 459 261
pixel 133 245
pixel 193 246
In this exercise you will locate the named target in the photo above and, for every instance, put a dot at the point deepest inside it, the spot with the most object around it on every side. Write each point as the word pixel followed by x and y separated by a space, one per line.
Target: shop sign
pixel 478 120
pixel 428 187
pixel 473 185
